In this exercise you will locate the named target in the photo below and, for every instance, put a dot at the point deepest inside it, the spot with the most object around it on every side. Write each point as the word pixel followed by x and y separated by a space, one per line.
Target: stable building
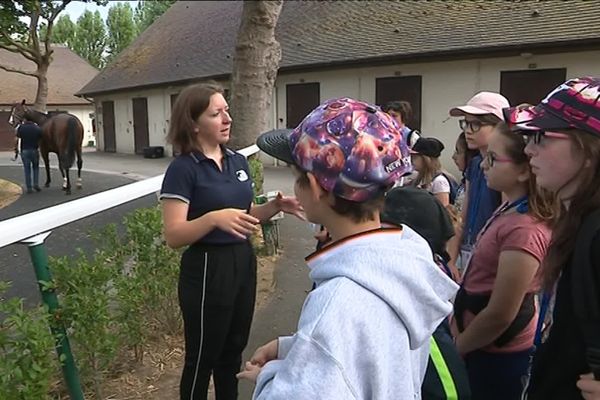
pixel 434 54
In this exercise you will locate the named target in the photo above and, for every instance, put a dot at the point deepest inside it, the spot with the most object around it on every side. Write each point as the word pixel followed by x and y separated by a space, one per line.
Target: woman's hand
pixel 235 221
pixel 590 388
pixel 290 205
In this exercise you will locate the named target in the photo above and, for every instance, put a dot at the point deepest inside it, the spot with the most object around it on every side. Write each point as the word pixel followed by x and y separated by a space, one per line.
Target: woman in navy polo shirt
pixel 207 205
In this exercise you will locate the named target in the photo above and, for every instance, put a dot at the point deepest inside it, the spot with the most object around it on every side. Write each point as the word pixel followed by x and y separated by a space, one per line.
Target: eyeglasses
pixel 491 158
pixel 474 126
pixel 537 136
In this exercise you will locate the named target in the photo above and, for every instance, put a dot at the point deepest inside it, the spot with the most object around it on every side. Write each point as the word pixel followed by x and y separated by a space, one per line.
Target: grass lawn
pixel 9 192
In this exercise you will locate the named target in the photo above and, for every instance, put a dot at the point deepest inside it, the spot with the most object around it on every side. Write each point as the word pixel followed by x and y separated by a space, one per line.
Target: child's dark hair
pixel 401 107
pixel 356 211
pixel 542 205
pixel 469 154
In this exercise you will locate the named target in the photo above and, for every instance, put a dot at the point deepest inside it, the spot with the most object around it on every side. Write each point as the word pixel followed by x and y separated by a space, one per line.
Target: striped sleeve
pixel 178 182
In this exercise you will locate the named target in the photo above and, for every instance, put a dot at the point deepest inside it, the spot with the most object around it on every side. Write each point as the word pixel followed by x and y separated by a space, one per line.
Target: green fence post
pixel 268 230
pixel 39 258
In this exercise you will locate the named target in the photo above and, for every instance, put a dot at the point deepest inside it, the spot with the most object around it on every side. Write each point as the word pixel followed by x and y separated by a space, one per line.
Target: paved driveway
pixel 15 264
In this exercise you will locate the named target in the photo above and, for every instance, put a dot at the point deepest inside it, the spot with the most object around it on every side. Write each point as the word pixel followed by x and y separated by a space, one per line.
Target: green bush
pixel 84 287
pixel 28 362
pixel 256 173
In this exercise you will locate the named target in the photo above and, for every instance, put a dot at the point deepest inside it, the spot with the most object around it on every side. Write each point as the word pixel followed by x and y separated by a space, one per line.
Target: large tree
pixel 90 38
pixel 146 12
pixel 121 29
pixel 20 24
pixel 255 65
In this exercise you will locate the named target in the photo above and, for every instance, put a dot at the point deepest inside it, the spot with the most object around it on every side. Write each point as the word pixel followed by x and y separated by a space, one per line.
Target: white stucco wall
pixel 444 85
pixel 159 112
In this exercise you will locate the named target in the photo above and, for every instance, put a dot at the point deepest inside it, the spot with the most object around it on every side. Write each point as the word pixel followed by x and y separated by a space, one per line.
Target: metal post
pixel 267 230
pixel 39 258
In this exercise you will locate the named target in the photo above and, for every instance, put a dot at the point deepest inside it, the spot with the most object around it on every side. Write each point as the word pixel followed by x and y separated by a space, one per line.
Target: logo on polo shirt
pixel 241 175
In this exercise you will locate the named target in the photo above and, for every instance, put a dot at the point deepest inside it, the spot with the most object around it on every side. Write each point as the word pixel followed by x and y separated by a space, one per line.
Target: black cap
pixel 421 211
pixel 276 143
pixel 431 147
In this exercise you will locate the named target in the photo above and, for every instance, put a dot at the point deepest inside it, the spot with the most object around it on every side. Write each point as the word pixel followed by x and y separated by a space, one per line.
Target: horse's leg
pixel 47 164
pixel 79 165
pixel 68 182
pixel 61 168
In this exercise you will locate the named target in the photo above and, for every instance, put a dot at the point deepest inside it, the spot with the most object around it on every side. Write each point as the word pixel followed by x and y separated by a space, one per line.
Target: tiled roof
pixel 195 40
pixel 66 75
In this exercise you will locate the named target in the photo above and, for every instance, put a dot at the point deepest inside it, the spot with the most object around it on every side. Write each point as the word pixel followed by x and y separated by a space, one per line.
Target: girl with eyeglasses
pixel 480 114
pixel 495 317
pixel 563 134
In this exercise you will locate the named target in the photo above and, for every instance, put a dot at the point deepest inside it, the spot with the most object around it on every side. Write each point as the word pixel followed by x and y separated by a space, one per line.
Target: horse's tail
pixel 69 158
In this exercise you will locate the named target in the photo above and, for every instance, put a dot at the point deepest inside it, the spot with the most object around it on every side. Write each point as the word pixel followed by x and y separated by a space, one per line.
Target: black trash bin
pixel 154 152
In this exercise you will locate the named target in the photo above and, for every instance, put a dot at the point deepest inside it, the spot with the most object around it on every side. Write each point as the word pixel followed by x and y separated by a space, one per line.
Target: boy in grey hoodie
pixel 364 331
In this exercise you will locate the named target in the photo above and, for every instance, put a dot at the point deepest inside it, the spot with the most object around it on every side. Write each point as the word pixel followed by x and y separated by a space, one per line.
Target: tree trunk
pixel 255 64
pixel 41 96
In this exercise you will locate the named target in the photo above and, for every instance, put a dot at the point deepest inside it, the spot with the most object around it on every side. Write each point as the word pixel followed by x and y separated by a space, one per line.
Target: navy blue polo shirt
pixel 30 135
pixel 200 183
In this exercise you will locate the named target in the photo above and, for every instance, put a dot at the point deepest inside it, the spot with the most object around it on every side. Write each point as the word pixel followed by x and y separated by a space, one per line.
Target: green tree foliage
pixel 90 38
pixel 64 31
pixel 21 22
pixel 147 12
pixel 121 29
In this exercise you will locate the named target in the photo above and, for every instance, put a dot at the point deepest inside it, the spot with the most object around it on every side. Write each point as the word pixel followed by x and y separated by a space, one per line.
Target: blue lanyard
pixel 473 209
pixel 502 209
pixel 537 341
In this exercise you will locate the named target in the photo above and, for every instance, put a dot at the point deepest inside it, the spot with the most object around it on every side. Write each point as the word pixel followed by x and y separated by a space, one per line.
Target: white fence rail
pixel 25 226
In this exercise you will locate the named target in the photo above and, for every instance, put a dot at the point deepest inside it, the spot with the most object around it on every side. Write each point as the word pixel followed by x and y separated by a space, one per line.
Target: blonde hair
pixel 431 168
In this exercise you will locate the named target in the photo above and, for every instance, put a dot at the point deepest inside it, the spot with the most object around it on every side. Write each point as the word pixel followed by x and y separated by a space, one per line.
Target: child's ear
pixel 525 174
pixel 315 188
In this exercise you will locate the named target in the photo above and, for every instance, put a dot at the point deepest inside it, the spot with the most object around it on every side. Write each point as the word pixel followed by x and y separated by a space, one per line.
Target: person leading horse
pixel 62 134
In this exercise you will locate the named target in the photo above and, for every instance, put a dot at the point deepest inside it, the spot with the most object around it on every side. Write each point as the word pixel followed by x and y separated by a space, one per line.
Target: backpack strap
pixel 442 369
pixel 585 290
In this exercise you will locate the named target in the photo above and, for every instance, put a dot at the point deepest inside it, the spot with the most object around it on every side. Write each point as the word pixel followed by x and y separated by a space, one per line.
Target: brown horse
pixel 62 134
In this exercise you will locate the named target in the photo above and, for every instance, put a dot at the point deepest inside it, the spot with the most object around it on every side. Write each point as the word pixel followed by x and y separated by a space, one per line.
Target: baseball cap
pixel 482 103
pixel 420 210
pixel 573 105
pixel 431 147
pixel 354 149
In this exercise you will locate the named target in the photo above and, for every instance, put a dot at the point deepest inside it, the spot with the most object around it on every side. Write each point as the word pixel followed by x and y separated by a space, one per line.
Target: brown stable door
pixel 398 88
pixel 300 100
pixel 108 124
pixel 140 124
pixel 530 86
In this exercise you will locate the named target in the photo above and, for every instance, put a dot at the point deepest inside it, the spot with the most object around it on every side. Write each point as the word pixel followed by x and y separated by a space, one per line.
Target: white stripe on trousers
pixel 201 327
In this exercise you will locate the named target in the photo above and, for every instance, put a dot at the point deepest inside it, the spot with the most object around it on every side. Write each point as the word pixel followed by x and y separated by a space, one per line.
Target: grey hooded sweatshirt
pixel 364 331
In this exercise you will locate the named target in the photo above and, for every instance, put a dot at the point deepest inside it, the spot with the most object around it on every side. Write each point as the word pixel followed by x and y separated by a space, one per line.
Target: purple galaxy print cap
pixel 573 105
pixel 354 149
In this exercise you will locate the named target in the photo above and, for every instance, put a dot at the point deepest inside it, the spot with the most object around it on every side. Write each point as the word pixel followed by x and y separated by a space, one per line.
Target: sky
pixel 76 8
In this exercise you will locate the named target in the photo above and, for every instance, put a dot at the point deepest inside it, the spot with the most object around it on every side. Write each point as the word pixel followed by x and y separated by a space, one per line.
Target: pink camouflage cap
pixel 573 105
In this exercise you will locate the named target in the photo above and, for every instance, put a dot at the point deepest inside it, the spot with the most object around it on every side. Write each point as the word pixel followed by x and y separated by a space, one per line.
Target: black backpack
pixel 586 294
pixel 446 376
pixel 454 185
